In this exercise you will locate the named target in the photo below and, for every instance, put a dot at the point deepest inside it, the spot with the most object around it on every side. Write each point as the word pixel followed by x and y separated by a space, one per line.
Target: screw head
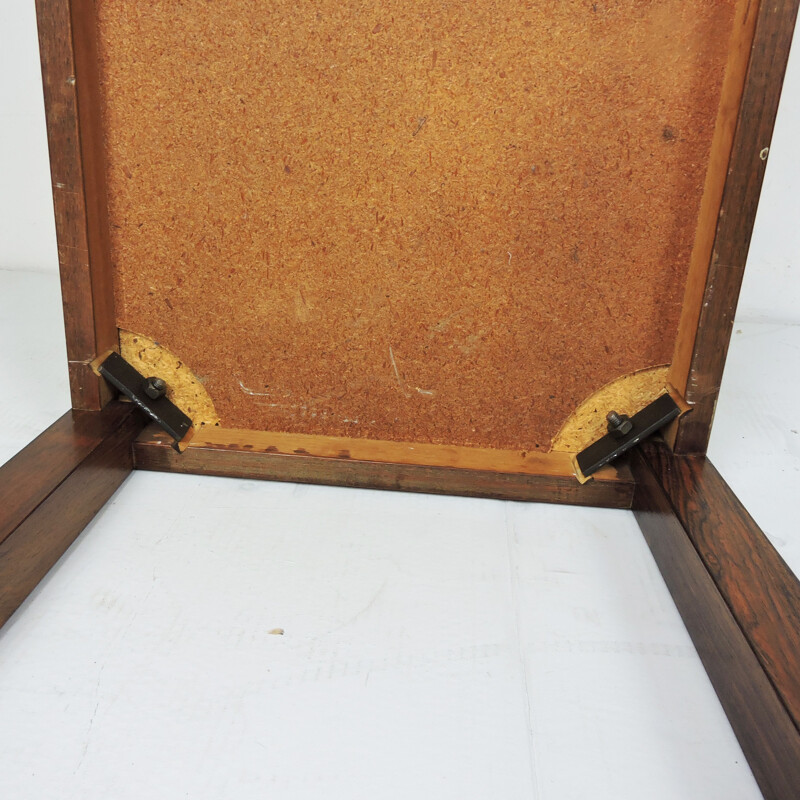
pixel 155 388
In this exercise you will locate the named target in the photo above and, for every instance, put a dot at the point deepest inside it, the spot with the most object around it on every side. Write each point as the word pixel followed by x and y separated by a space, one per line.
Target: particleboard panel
pixel 184 388
pixel 625 395
pixel 422 221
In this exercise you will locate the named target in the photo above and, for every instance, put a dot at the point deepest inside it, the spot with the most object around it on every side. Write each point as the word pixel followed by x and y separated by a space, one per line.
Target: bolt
pixel 619 425
pixel 155 388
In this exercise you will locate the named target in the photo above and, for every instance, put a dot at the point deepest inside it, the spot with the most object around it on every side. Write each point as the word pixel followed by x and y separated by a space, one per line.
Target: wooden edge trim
pixel 670 433
pixel 35 472
pixel 761 591
pixel 765 730
pixel 61 480
pixel 381 465
pixel 67 45
pixel 532 462
pixel 711 298
pixel 739 50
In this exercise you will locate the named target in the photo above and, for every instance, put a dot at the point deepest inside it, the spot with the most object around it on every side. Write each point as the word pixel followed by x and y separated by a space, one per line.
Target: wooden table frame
pixel 738 599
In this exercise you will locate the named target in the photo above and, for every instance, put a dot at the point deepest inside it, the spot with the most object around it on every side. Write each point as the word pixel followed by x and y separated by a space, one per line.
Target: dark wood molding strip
pixel 757 113
pixel 759 588
pixel 150 452
pixel 52 489
pixel 67 43
pixel 760 720
pixel 35 472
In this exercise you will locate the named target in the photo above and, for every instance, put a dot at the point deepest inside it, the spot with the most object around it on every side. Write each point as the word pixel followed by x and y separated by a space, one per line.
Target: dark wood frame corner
pixel 739 600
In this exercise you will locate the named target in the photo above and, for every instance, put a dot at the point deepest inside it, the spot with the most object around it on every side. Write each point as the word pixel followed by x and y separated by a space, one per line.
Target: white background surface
pixel 434 647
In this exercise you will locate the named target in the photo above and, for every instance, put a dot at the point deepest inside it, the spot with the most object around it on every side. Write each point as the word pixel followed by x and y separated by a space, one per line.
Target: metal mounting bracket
pixel 625 433
pixel 148 395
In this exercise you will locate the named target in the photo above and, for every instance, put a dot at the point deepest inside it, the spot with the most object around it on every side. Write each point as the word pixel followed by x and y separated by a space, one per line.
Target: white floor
pixel 433 647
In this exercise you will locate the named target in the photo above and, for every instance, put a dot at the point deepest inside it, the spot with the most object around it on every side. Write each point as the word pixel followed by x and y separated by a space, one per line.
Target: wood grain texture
pixel 745 174
pixel 385 465
pixel 425 455
pixel 34 473
pixel 51 490
pixel 739 50
pixel 765 730
pixel 67 43
pixel 760 589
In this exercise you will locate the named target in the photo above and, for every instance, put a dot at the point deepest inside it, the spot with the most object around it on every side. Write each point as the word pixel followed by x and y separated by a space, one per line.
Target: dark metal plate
pixel 119 373
pixel 645 423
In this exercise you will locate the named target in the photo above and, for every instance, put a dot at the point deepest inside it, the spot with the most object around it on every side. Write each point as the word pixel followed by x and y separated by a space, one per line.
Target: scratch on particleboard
pixel 251 392
pixel 397 374
pixel 401 383
pixel 296 409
